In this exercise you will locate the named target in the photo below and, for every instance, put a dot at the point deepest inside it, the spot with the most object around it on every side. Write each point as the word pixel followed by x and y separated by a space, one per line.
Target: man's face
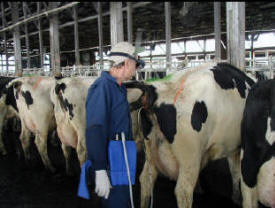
pixel 130 69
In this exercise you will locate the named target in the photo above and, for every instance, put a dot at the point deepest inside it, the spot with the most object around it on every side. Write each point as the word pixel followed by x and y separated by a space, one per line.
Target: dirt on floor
pixel 29 185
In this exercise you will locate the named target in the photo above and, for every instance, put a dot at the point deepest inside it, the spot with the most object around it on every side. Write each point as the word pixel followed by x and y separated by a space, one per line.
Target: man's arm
pixel 97 110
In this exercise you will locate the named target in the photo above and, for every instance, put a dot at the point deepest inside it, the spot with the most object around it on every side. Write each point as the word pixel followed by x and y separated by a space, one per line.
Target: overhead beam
pixel 167 6
pixel 140 4
pixel 34 17
pixel 100 34
pixel 116 22
pixel 235 21
pixel 76 36
pixel 16 39
pixel 26 35
pixel 54 42
pixel 130 22
pixel 217 30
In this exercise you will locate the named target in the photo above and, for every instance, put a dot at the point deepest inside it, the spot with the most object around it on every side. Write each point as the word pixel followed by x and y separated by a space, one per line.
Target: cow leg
pixel 41 144
pixel 249 196
pixel 147 184
pixel 67 153
pixel 25 138
pixel 186 182
pixel 81 148
pixel 235 170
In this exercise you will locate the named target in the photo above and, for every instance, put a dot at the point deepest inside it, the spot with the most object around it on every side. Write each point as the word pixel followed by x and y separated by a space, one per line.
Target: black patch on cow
pixel 68 107
pixel 59 87
pixel 148 97
pixel 58 77
pixel 260 105
pixel 146 123
pixel 10 99
pixel 167 119
pixel 260 205
pixel 199 115
pixel 225 75
pixel 64 102
pixel 28 97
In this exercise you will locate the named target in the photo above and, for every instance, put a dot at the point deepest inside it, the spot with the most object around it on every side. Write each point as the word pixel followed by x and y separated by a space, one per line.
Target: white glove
pixel 102 184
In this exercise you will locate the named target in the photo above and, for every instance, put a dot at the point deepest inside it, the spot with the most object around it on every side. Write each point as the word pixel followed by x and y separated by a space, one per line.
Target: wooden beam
pixel 76 36
pixel 16 39
pixel 140 4
pixel 40 34
pixel 26 36
pixel 217 30
pixel 235 18
pixel 116 22
pixel 54 42
pixel 167 6
pixel 4 36
pixel 130 22
pixel 100 34
pixel 34 17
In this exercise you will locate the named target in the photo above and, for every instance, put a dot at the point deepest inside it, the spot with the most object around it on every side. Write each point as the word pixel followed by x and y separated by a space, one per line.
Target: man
pixel 108 114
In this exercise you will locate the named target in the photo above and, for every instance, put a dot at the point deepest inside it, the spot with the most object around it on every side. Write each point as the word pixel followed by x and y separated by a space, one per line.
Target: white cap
pixel 122 47
pixel 123 50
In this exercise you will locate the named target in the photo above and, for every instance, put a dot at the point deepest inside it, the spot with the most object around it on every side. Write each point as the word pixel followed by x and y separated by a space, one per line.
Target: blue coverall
pixel 107 113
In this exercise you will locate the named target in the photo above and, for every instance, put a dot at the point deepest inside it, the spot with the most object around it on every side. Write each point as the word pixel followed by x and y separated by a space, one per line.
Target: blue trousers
pixel 119 197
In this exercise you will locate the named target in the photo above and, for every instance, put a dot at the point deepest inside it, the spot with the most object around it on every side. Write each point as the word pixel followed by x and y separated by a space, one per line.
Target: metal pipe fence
pixel 152 68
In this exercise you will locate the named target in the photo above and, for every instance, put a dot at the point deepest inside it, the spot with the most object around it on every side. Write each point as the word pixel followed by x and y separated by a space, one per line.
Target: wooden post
pixel 16 39
pixel 26 36
pixel 76 36
pixel 235 18
pixel 167 6
pixel 54 43
pixel 100 34
pixel 40 34
pixel 116 22
pixel 130 22
pixel 217 25
pixel 4 36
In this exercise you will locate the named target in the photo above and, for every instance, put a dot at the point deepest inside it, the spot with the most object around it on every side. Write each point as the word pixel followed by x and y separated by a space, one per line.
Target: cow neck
pixel 179 91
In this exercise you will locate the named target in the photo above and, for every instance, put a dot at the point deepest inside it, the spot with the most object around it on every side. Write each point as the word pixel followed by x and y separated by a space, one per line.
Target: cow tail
pixel 58 92
pixel 16 84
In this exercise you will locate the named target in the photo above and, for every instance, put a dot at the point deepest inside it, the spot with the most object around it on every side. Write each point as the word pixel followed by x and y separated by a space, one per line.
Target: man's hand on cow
pixel 102 184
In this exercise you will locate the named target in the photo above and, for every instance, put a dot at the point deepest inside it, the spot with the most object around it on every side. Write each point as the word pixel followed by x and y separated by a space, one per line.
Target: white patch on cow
pixel 269 135
pixel 133 94
pixel 266 183
pixel 247 89
pixel 235 85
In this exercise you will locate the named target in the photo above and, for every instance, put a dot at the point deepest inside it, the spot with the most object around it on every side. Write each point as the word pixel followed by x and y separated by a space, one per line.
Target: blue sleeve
pixel 97 111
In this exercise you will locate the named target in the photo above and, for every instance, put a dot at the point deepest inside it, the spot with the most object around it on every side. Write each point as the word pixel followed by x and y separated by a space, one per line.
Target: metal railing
pixel 152 68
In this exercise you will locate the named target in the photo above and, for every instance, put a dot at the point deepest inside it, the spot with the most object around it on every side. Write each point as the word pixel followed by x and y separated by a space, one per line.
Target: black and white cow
pixel 69 98
pixel 188 120
pixel 8 106
pixel 258 147
pixel 36 112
